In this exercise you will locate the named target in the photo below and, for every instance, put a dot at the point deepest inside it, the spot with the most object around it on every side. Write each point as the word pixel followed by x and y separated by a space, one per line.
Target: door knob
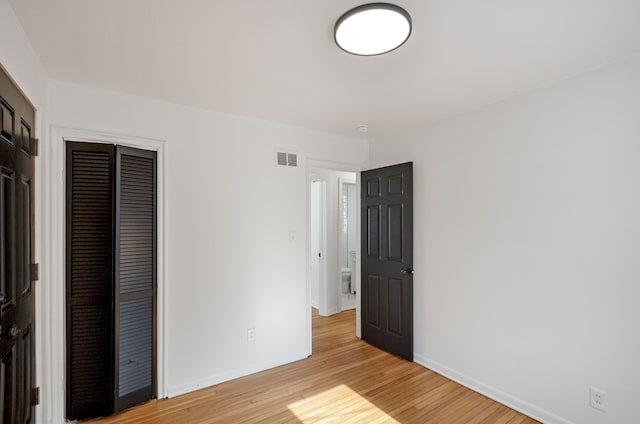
pixel 14 331
pixel 408 271
pixel 11 333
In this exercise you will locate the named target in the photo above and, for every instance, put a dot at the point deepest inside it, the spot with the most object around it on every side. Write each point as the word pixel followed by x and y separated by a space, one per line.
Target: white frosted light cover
pixel 373 31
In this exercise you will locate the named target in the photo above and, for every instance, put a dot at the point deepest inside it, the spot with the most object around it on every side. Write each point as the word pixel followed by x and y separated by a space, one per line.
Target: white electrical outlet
pixel 251 335
pixel 598 398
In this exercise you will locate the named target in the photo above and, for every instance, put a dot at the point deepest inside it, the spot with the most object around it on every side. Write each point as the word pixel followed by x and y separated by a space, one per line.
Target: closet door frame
pixel 52 352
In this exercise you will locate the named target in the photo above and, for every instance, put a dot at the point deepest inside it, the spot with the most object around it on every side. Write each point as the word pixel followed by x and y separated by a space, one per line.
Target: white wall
pixel 20 61
pixel 236 228
pixel 527 246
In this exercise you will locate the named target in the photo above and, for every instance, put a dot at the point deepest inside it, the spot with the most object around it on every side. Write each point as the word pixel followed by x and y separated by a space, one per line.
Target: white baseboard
pixel 506 399
pixel 333 311
pixel 182 389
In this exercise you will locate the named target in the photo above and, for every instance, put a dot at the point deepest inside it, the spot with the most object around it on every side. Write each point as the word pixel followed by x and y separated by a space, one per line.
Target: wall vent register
pixel 286 159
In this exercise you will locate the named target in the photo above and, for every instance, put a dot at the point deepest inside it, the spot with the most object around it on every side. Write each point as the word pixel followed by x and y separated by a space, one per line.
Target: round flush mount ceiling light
pixel 372 29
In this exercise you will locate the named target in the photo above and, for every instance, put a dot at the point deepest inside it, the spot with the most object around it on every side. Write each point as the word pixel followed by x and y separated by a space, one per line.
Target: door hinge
pixel 36 396
pixel 35 272
pixel 35 147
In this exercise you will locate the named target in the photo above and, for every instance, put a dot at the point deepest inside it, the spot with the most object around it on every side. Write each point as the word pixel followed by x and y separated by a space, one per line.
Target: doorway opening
pixel 333 247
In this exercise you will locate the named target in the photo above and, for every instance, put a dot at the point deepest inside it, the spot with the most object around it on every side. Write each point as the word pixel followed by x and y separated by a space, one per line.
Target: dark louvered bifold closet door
pixel 135 265
pixel 90 204
pixel 111 278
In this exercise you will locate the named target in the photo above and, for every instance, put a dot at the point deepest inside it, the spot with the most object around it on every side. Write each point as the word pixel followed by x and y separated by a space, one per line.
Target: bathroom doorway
pixel 333 240
pixel 347 243
pixel 333 256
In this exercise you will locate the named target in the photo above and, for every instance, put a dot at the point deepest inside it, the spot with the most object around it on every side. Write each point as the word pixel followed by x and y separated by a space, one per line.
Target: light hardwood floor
pixel 344 381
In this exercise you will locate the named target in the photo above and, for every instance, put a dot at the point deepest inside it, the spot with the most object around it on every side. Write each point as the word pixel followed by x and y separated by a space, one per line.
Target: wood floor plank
pixel 345 381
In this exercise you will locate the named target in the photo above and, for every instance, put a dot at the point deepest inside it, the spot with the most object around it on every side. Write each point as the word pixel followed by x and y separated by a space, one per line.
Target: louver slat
pixel 135 276
pixel 89 279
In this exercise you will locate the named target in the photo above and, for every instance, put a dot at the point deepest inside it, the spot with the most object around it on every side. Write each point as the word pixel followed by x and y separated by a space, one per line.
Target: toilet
pixel 346 280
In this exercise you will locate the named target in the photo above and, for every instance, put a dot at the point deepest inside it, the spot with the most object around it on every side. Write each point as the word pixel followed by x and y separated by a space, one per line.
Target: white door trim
pixel 322 274
pixel 52 345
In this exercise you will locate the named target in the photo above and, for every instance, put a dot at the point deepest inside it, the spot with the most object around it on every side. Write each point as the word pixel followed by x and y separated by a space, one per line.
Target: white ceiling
pixel 276 60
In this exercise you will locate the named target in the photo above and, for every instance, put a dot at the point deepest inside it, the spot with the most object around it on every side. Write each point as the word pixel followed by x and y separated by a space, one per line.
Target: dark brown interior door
pixel 387 258
pixel 17 298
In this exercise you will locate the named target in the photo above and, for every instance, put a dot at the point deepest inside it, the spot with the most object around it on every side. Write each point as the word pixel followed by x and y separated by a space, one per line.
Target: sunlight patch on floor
pixel 339 404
